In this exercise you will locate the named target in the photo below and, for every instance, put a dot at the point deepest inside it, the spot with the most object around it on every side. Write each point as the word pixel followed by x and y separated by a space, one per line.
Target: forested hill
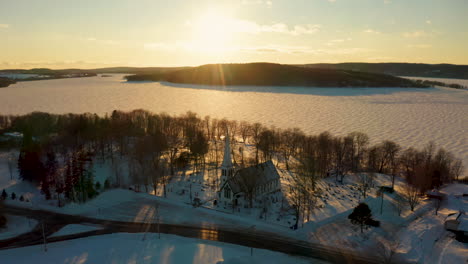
pixel 401 69
pixel 269 74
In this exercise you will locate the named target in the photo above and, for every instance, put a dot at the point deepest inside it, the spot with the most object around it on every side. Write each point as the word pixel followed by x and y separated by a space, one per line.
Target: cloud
pixel 233 25
pixel 420 46
pixel 331 1
pixel 371 31
pixel 162 46
pixel 387 2
pixel 4 26
pixel 102 41
pixel 337 41
pixel 301 50
pixel 383 58
pixel 188 47
pixel 268 3
pixel 429 22
pixel 416 34
pixel 296 30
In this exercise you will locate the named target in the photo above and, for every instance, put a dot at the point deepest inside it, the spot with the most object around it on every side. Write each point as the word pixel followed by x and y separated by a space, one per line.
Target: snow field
pixel 130 248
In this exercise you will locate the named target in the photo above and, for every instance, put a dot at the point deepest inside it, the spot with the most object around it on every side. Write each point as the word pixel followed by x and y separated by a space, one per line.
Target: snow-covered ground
pixel 16 225
pixel 131 248
pixel 417 236
pixel 425 239
pixel 420 235
pixel 74 229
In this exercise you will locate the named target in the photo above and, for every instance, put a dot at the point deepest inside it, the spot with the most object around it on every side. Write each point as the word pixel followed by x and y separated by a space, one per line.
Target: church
pixel 242 186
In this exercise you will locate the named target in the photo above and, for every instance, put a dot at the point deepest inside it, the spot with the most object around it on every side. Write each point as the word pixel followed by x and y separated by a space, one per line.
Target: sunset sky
pixel 104 33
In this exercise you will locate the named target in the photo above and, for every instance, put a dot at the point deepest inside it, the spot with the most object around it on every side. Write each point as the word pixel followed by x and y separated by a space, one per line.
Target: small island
pixel 8 77
pixel 270 74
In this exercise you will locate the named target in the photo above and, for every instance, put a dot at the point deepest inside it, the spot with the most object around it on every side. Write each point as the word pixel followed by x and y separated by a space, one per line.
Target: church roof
pixel 227 161
pixel 253 176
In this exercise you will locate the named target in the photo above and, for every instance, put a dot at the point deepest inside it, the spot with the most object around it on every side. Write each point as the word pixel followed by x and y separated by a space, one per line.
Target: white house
pixel 239 186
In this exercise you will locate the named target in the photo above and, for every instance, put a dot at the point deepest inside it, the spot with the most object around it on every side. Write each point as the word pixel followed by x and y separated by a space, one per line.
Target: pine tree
pixel 361 215
pixel 21 198
pixel 3 221
pixel 89 185
pixel 49 177
pixel 13 196
pixel 4 195
pixel 106 184
pixel 29 163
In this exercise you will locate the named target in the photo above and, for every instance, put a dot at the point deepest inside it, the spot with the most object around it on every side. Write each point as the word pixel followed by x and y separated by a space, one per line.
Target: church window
pixel 227 193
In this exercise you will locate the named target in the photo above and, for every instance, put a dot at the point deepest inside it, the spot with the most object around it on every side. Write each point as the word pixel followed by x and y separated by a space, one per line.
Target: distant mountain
pixel 129 70
pixel 269 74
pixel 136 70
pixel 401 69
pixel 396 69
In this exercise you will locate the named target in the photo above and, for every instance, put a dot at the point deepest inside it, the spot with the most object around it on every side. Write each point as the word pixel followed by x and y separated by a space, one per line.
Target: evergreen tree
pixel 361 215
pixel 3 221
pixel 98 186
pixel 21 198
pixel 49 177
pixel 106 184
pixel 13 196
pixel 4 195
pixel 29 162
pixel 89 185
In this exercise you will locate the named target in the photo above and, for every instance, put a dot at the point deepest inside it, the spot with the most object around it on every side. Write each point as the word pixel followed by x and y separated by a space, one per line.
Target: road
pixel 258 239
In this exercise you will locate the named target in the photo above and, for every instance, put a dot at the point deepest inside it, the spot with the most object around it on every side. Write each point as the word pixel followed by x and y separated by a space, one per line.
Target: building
pixel 240 187
pixel 457 222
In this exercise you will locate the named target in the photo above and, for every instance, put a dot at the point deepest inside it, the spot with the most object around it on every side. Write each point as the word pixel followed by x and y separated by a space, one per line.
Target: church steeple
pixel 227 169
pixel 227 161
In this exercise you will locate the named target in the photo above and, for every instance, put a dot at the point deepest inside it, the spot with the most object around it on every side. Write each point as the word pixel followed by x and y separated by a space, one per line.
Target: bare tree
pixel 256 130
pixel 457 168
pixel 11 164
pixel 400 203
pixel 412 196
pixel 361 142
pixel 245 130
pixel 366 181
pixel 386 250
pixel 437 202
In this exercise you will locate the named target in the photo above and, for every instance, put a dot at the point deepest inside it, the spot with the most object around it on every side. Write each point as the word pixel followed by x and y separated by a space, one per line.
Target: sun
pixel 213 32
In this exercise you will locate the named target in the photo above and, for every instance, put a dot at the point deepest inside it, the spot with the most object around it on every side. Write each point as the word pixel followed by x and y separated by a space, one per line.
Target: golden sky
pixel 105 33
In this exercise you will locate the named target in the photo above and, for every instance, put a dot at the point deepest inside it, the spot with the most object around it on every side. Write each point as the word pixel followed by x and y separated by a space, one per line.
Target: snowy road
pixel 258 239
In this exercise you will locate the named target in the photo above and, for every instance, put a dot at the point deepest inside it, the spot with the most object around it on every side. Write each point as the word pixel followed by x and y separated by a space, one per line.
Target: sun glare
pixel 213 32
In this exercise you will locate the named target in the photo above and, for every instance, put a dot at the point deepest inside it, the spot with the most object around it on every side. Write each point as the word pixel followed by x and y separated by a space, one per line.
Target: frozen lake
pixel 411 117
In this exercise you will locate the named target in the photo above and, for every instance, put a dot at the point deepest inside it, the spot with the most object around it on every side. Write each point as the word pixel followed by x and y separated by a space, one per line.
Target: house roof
pixel 253 176
pixel 452 217
pixel 463 226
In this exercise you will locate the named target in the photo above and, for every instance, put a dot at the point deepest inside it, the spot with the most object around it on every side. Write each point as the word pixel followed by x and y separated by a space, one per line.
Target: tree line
pixel 58 150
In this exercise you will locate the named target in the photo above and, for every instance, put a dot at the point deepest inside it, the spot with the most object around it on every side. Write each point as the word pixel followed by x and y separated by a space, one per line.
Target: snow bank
pixel 130 248
pixel 17 225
